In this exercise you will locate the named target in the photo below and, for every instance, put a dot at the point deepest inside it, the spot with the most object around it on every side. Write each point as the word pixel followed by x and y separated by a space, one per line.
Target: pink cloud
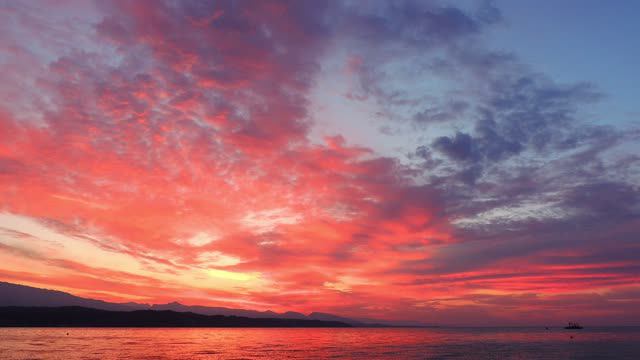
pixel 197 127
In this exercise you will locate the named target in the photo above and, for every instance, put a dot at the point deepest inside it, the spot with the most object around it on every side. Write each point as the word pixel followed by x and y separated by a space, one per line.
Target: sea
pixel 323 343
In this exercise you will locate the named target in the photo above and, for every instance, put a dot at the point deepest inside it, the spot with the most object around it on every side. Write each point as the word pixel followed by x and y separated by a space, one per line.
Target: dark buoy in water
pixel 573 326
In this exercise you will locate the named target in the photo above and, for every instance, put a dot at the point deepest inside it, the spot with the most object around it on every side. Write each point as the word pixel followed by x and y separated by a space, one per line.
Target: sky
pixel 461 163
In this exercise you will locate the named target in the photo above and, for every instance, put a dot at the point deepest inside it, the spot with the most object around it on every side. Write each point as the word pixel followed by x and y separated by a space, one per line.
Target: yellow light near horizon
pixel 232 275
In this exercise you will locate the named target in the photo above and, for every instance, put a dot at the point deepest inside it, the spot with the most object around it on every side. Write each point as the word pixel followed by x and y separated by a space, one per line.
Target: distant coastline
pixel 76 316
pixel 18 296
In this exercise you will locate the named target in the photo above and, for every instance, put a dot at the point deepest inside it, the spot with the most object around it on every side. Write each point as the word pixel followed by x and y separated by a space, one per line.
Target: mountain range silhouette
pixel 27 303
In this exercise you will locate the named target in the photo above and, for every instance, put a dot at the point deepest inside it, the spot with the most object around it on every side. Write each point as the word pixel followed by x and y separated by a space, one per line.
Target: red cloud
pixel 196 127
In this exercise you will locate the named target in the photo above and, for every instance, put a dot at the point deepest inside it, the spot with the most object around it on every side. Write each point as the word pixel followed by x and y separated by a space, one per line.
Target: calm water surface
pixel 441 343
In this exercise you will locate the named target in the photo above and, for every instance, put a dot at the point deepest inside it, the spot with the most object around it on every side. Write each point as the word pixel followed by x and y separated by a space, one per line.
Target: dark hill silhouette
pixel 26 296
pixel 211 310
pixel 75 316
pixel 21 295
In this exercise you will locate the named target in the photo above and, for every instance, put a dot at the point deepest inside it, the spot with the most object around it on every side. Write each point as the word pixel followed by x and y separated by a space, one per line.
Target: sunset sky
pixel 446 162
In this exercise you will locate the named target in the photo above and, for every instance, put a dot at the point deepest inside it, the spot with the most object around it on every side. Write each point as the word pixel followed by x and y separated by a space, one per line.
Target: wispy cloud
pixel 166 151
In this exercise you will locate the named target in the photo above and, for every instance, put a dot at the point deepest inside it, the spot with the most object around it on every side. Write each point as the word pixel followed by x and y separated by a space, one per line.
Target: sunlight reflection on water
pixel 252 343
